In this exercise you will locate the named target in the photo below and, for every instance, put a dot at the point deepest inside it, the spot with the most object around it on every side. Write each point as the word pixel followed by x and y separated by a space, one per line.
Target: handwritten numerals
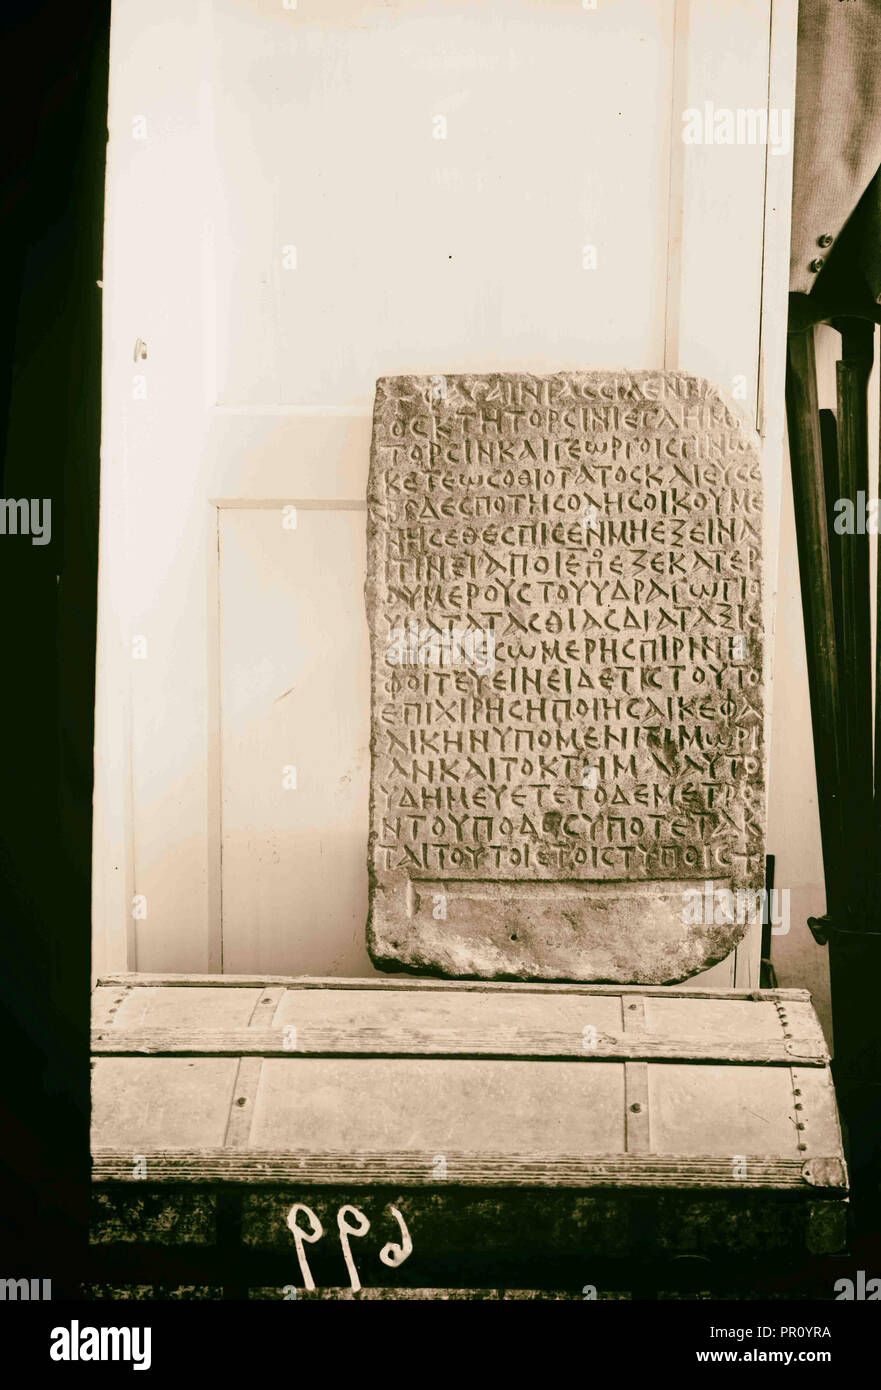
pixel 394 1255
pixel 346 1230
pixel 351 1221
pixel 302 1238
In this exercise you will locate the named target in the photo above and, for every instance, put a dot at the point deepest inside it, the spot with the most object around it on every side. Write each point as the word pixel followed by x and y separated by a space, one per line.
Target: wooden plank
pixel 501 1015
pixel 364 1104
pixel 106 1003
pixel 154 1007
pixel 424 985
pixel 346 1041
pixel 265 1166
pixel 139 1101
pixel 814 1095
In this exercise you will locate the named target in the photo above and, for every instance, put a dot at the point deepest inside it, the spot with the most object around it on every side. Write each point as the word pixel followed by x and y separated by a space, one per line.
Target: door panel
pixel 295 731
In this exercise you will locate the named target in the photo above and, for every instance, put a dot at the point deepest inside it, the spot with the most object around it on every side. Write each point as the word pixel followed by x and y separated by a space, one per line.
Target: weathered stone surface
pixel 564 597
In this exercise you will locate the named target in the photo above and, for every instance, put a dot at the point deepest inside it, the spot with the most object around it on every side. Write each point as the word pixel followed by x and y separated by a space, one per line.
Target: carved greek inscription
pixel 564 592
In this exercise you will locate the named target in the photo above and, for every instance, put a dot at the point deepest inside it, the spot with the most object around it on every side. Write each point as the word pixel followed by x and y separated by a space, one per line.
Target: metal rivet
pixel 242 1100
pixel 825 240
pixel 817 264
pixel 803 1147
pixel 799 1125
pixel 636 1107
pixel 798 1105
pixel 631 1006
pixel 796 1092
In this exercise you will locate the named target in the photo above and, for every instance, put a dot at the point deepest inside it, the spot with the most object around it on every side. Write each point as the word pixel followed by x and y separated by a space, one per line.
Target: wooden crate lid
pixel 279 1016
pixel 393 1081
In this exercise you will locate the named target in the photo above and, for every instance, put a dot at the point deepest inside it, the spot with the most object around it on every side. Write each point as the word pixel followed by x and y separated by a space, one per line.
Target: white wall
pixel 240 129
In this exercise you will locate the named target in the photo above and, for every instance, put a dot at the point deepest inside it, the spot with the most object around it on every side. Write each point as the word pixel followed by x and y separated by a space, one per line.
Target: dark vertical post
pixel 854 636
pixel 818 605
pixel 834 572
pixel 53 94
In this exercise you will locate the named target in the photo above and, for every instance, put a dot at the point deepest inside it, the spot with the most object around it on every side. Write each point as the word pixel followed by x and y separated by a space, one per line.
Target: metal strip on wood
pixel 250 1068
pixel 633 1014
pixel 244 1095
pixel 798 1111
pixel 426 986
pixel 262 1167
pixel 265 1009
pixel 346 1040
pixel 637 1123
